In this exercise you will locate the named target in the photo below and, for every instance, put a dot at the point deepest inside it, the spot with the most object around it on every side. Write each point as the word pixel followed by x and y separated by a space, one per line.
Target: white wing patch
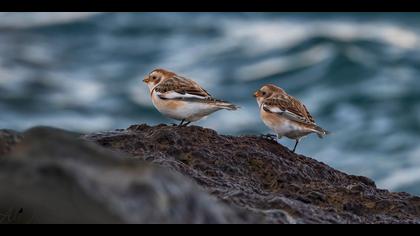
pixel 285 113
pixel 175 95
pixel 273 109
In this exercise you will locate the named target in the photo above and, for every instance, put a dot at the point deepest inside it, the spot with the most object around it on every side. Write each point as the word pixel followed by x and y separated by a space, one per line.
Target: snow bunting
pixel 180 98
pixel 286 115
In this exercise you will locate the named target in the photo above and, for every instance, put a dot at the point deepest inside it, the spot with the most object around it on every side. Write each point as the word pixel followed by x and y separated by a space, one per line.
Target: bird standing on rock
pixel 286 115
pixel 180 98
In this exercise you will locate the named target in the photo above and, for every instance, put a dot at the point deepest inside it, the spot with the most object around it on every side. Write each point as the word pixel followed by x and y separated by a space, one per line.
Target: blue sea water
pixel 358 74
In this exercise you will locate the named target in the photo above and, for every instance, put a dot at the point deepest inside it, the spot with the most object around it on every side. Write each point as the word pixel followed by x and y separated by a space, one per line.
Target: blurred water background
pixel 357 73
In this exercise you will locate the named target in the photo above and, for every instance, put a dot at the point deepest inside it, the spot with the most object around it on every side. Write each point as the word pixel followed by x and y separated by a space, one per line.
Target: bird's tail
pixel 227 105
pixel 320 131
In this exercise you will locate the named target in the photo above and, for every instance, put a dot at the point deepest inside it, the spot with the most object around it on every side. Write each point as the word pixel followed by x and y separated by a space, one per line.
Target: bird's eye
pixel 154 77
pixel 263 93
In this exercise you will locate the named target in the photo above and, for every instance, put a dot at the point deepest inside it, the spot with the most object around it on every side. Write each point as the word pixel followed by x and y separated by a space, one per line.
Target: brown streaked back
pixel 284 101
pixel 182 86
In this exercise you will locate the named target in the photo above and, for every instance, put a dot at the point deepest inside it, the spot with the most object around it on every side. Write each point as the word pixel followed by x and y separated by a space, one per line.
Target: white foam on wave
pixel 361 56
pixel 244 118
pixel 75 88
pixel 284 64
pixel 183 54
pixel 12 79
pixel 268 35
pixel 401 178
pixel 36 19
pixel 139 93
pixel 400 77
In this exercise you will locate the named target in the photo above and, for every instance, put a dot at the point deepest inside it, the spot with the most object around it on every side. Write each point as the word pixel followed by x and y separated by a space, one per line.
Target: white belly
pixel 180 110
pixel 283 126
pixel 280 128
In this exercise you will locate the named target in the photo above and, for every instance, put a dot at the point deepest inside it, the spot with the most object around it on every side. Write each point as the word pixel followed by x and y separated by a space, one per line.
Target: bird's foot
pixel 271 137
pixel 185 125
pixel 182 124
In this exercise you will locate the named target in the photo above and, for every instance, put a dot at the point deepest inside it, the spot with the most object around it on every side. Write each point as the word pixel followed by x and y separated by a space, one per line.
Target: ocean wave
pixel 357 76
pixel 23 20
pixel 276 66
pixel 275 34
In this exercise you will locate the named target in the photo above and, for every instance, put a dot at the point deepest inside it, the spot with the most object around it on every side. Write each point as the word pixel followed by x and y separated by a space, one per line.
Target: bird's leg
pixel 182 122
pixel 294 149
pixel 186 124
pixel 271 137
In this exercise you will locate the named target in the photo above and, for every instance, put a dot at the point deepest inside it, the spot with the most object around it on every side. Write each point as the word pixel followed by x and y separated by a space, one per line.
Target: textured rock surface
pixel 263 177
pixel 52 176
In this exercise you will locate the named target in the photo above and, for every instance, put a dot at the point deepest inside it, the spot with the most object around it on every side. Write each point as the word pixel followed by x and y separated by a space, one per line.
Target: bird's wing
pixel 181 88
pixel 301 109
pixel 289 108
pixel 310 117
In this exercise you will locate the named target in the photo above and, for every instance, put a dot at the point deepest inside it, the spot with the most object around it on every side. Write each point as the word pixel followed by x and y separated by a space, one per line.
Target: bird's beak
pixel 257 94
pixel 146 79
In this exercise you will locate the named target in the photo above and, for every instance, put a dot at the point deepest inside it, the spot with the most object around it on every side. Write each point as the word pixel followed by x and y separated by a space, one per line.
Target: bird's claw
pixel 184 125
pixel 271 137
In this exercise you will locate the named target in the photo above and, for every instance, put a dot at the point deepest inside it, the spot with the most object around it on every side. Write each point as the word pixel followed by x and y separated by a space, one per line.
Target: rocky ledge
pixel 167 174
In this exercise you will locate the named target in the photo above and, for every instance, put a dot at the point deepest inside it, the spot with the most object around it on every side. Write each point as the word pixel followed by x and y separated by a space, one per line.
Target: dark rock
pixel 52 176
pixel 169 174
pixel 263 177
